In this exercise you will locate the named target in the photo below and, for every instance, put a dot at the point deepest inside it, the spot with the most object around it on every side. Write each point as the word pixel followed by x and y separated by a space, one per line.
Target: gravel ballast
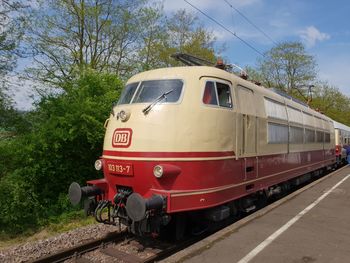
pixel 32 250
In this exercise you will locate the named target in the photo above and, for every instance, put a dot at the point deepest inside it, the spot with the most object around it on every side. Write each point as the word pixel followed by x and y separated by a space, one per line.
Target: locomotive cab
pixel 156 143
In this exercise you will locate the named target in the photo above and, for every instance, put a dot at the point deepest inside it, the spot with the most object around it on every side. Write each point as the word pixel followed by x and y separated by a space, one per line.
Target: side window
pixel 319 136
pixel 224 95
pixel 209 96
pixel 277 133
pixel 327 137
pixel 296 135
pixel 216 93
pixel 309 136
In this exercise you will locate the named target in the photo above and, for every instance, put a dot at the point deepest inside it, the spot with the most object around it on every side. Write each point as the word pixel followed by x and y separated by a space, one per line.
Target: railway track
pixel 75 251
pixel 119 247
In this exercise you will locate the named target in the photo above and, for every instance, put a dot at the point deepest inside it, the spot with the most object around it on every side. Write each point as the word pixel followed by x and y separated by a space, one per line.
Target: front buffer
pixel 141 215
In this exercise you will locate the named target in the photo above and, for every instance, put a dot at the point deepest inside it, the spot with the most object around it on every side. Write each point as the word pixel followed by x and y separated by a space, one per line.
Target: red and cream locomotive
pixel 202 139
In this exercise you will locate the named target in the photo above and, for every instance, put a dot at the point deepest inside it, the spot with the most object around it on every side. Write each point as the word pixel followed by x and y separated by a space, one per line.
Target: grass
pixel 57 225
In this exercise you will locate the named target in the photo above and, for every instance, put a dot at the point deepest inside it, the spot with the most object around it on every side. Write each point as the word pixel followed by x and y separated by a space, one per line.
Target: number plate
pixel 120 168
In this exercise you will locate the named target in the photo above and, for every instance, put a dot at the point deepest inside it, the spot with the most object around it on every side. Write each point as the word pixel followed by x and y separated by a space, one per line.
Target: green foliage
pixel 19 205
pixel 330 101
pixel 288 67
pixel 66 137
pixel 187 36
pixel 12 121
pixel 11 32
pixel 124 37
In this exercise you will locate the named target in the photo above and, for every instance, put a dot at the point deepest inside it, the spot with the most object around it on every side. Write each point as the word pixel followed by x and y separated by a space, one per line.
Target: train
pixel 342 140
pixel 202 142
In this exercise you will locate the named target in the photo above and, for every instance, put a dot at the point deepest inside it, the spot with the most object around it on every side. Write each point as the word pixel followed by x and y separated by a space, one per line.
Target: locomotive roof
pixel 200 71
pixel 341 126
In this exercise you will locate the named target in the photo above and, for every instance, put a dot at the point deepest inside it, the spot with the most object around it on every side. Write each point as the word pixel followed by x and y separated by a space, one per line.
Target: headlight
pixel 98 165
pixel 158 171
pixel 124 115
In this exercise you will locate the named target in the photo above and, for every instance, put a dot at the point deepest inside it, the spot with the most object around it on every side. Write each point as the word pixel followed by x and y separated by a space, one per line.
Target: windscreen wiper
pixel 158 99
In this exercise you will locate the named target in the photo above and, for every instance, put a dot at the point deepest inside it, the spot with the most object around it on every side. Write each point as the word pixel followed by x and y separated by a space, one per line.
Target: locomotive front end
pixel 164 155
pixel 141 125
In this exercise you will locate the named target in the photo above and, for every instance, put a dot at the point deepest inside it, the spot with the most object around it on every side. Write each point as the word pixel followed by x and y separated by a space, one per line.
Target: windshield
pixel 148 91
pixel 128 93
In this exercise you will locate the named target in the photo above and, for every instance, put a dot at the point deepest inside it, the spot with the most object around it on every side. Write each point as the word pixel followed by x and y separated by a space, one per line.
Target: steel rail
pixel 69 253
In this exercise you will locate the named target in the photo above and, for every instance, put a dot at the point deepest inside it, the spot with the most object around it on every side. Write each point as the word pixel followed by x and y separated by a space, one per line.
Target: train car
pixel 342 140
pixel 201 139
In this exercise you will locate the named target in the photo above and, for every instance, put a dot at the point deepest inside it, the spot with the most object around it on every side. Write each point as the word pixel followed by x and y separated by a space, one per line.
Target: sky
pixel 323 27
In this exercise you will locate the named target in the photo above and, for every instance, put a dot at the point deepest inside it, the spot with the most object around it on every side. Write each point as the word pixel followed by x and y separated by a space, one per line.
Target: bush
pixel 66 137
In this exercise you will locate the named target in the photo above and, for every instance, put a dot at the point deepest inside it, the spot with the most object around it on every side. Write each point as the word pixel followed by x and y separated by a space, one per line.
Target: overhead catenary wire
pixel 228 30
pixel 250 22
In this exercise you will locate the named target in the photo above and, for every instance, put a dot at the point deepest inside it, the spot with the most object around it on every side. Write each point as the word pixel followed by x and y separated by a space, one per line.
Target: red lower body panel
pixel 202 184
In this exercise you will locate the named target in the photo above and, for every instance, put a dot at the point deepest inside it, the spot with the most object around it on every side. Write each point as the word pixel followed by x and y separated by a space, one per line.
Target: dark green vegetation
pixel 82 52
pixel 64 137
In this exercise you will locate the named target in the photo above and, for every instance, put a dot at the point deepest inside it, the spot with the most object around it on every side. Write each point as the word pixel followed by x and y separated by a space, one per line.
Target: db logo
pixel 122 138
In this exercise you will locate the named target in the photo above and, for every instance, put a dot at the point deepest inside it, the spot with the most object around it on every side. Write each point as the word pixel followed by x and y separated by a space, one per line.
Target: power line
pixel 250 22
pixel 228 30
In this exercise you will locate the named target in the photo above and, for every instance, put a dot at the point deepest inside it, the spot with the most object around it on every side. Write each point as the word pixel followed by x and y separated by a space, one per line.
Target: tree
pixel 66 138
pixel 11 25
pixel 330 101
pixel 153 38
pixel 71 35
pixel 288 67
pixel 186 35
pixel 9 34
pixel 121 37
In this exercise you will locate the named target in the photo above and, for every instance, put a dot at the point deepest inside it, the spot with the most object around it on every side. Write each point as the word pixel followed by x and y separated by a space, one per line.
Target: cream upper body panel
pixel 189 125
pixel 342 133
pixel 184 126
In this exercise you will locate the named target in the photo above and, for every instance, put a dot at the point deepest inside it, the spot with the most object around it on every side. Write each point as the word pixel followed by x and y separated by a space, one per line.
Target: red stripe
pixel 169 154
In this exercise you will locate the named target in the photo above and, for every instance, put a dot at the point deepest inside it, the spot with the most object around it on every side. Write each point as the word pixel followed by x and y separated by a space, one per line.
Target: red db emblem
pixel 122 138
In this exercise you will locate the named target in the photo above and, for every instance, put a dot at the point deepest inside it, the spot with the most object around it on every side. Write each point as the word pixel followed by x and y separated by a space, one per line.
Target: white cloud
pixel 311 35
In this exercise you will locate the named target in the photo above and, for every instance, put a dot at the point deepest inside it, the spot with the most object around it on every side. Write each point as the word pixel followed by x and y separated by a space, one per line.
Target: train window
pixel 295 115
pixel 224 95
pixel 319 136
pixel 325 124
pixel 318 123
pixel 296 135
pixel 216 93
pixel 209 96
pixel 327 137
pixel 150 90
pixel 308 119
pixel 309 136
pixel 277 133
pixel 128 93
pixel 275 109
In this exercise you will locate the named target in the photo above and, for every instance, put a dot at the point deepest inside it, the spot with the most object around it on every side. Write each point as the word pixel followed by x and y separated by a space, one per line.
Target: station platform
pixel 310 225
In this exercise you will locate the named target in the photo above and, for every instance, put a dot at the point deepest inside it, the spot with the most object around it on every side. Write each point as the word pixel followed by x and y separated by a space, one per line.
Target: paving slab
pixel 310 225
